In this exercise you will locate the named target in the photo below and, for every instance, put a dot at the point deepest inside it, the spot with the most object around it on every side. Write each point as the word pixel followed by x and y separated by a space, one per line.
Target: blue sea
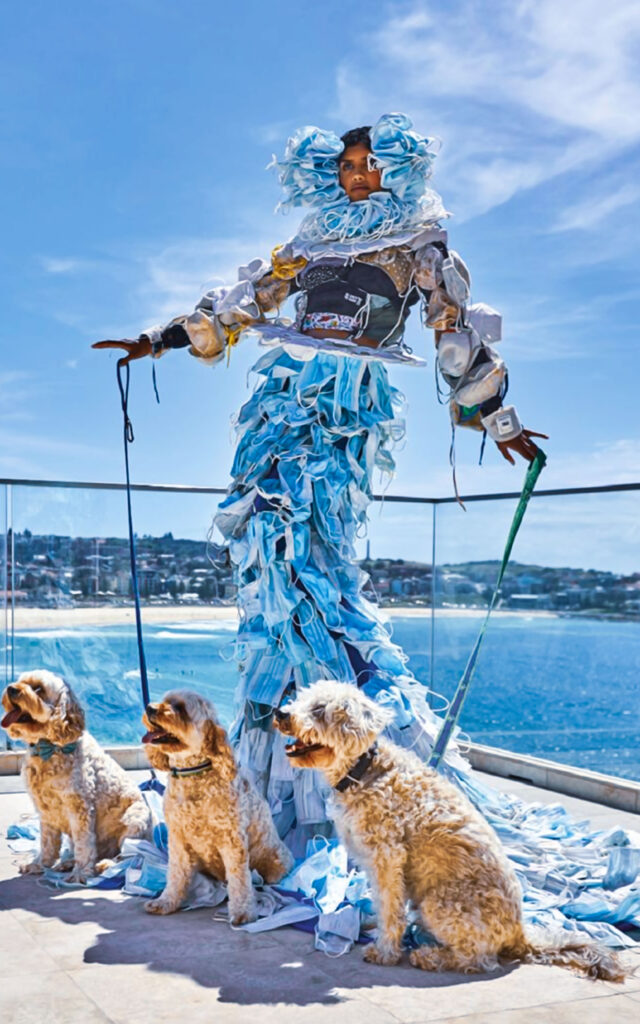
pixel 561 688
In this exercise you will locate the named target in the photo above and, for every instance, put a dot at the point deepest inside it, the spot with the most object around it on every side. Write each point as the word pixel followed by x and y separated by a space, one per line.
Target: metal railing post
pixel 5 581
pixel 433 602
pixel 11 553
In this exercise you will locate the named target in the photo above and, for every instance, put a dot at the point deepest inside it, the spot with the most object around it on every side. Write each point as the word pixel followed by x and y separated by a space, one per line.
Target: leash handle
pixel 455 708
pixel 128 438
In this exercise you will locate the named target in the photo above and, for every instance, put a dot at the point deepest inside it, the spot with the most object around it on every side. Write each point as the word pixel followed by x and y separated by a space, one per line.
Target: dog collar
pixel 198 769
pixel 357 771
pixel 45 750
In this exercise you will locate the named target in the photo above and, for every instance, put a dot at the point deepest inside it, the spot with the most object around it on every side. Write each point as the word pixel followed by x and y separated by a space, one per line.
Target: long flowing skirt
pixel 310 438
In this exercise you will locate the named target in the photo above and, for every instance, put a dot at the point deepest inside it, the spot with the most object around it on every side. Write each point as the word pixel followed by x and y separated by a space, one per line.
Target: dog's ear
pixel 318 713
pixel 214 739
pixel 376 717
pixel 157 758
pixel 67 721
pixel 216 746
pixel 362 717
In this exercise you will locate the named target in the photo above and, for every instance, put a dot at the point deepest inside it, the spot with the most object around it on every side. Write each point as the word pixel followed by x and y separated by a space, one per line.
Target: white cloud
pixel 17 391
pixel 159 283
pixel 31 455
pixel 71 265
pixel 43 444
pixel 271 132
pixel 54 265
pixel 8 378
pixel 173 278
pixel 614 462
pixel 519 92
pixel 585 530
pixel 540 328
pixel 592 210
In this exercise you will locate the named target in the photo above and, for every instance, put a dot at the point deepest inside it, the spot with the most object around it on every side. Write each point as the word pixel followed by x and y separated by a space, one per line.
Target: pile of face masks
pixel 573 880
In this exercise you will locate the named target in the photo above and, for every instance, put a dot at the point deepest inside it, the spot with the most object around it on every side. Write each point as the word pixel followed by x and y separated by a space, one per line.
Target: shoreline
pixel 55 618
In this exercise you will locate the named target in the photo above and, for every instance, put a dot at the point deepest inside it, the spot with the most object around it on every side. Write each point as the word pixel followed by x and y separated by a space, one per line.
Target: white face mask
pixel 486 321
pixel 457 279
pixel 456 350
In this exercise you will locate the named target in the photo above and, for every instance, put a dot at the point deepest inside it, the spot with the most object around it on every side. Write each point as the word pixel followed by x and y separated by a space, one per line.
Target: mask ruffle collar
pixel 308 172
pixel 309 176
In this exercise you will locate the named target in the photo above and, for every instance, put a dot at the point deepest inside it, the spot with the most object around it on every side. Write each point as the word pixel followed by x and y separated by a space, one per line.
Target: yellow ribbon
pixel 232 336
pixel 284 269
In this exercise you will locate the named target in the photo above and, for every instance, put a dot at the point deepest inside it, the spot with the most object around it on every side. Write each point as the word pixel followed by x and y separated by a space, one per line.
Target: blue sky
pixel 134 145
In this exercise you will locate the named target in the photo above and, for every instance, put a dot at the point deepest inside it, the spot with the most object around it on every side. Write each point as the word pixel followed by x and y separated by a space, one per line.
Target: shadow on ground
pixel 267 968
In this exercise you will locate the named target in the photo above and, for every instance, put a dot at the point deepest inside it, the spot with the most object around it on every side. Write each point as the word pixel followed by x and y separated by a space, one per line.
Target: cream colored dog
pixel 217 821
pixel 419 839
pixel 76 787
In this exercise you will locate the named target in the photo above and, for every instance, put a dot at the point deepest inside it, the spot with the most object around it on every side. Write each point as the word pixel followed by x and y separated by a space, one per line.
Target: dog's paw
pixel 32 867
pixel 81 873
pixel 63 865
pixel 159 906
pixel 382 955
pixel 104 865
pixel 277 865
pixel 244 916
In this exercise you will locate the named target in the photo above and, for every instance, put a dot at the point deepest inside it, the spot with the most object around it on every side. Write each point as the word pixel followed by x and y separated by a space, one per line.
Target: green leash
pixel 455 708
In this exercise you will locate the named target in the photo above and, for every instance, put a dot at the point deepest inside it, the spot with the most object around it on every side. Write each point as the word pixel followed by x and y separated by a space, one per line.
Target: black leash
pixel 128 439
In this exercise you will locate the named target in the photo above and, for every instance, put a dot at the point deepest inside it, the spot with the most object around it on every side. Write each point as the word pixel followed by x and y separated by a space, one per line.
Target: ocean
pixel 560 688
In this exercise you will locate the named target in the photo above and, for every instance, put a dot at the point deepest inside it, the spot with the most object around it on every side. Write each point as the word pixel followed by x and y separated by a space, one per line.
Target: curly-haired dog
pixel 76 787
pixel 217 822
pixel 418 838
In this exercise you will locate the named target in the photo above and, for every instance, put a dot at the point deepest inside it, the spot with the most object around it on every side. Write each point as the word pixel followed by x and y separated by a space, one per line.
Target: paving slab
pixel 48 999
pixel 614 1010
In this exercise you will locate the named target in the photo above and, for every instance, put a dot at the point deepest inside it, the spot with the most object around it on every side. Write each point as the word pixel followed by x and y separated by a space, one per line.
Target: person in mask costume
pixel 322 418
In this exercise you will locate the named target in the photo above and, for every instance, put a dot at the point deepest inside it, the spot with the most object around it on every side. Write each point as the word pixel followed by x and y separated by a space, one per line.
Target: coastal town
pixel 50 571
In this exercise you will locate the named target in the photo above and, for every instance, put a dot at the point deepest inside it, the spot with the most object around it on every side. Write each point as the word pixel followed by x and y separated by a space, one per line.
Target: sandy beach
pixel 55 618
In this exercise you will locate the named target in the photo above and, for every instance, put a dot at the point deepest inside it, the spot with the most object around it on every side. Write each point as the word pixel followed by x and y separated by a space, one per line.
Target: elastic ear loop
pixel 463 740
pixel 232 647
pixel 423 731
pixel 262 718
pixel 312 615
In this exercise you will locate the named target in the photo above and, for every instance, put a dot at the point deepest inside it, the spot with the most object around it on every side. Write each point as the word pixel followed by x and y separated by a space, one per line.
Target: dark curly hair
pixel 355 136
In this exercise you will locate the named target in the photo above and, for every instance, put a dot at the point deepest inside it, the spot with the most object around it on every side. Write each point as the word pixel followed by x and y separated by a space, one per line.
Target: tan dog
pixel 418 838
pixel 217 821
pixel 76 787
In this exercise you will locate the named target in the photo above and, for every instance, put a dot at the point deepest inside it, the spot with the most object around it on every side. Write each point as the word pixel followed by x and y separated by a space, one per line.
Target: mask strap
pixel 452 463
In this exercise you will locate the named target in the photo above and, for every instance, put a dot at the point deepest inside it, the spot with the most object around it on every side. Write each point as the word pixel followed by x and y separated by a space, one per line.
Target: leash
pixel 128 439
pixel 455 708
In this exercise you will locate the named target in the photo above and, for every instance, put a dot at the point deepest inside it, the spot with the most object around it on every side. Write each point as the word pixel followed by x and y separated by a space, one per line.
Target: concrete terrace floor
pixel 78 956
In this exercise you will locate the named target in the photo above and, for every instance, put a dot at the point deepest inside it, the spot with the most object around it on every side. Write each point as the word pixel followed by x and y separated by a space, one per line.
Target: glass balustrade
pixel 556 676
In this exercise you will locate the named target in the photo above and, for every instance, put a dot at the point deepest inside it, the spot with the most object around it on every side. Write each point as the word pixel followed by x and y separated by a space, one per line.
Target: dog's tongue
pixel 298 747
pixel 11 717
pixel 152 735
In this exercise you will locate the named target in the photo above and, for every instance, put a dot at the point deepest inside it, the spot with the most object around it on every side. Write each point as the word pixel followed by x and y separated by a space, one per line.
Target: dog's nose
pixel 150 708
pixel 281 716
pixel 13 691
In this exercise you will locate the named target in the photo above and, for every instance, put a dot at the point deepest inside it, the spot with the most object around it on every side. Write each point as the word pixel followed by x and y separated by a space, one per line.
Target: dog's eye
pixel 38 689
pixel 178 707
pixel 318 712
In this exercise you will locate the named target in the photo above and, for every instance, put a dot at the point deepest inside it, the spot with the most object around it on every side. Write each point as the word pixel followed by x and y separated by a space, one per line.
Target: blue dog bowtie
pixel 45 749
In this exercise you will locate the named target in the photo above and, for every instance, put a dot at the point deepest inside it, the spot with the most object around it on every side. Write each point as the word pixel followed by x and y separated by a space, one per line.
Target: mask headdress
pixel 308 171
pixel 403 157
pixel 309 176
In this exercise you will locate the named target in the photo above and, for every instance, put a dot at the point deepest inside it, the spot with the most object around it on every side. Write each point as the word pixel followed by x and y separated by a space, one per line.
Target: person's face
pixel 355 177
